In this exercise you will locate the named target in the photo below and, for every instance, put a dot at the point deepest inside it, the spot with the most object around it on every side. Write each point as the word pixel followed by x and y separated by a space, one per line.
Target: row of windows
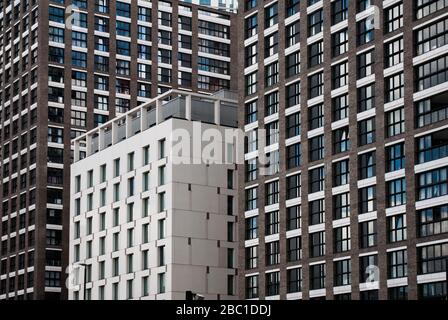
pixel 317 278
pixel 365 30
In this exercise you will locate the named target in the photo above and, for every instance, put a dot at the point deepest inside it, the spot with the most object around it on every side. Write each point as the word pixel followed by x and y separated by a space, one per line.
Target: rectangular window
pixel 393 18
pixel 317 212
pixel 397 264
pixel 431 73
pixel 366 131
pixel 367 199
pixel 272 223
pixel 395 192
pixel 341 205
pixel 368 234
pixel 339 75
pixel 339 42
pixel 396 228
pixel 315 22
pixel 432 184
pixel 367 165
pixel 315 53
pixel 432 221
pixel 393 52
pixel 317 276
pixel 341 238
pixel 342 273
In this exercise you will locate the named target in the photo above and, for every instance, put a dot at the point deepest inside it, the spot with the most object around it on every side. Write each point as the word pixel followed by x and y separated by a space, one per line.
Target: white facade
pixel 174 220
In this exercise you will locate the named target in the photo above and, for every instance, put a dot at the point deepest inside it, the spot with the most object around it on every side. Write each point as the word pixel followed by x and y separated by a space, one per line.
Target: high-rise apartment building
pixel 65 68
pixel 350 198
pixel 152 212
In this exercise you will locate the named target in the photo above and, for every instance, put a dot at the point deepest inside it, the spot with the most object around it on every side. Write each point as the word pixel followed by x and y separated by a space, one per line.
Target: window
pixel 393 52
pixel 293 154
pixel 293 216
pixel 394 87
pixel 251 26
pixel 395 157
pixel 316 116
pixel 398 293
pixel 396 228
pixel 341 205
pixel 366 63
pixel 366 97
pixel 251 228
pixel 251 83
pixel 432 73
pixel 271 45
pixel 292 7
pixel 271 103
pixel 292 34
pixel 317 179
pixel 79 59
pixel 316 85
pixel 293 186
pixel 341 174
pixel 397 264
pixel 432 146
pixel 367 266
pixel 272 133
pixel 432 184
pixel 366 131
pixel 292 64
pixel 293 125
pixel 341 140
pixel 432 221
pixel 342 273
pixel 340 75
pixel 339 11
pixel 79 39
pixel 56 14
pixel 251 54
pixel 56 34
pixel 294 249
pixel 432 258
pixel 395 192
pixel 367 165
pixel 272 193
pixel 317 276
pixel 251 170
pixel 367 199
pixel 272 223
pixel 251 257
pixel 317 148
pixel 395 122
pixel 315 22
pixel 251 199
pixel 315 53
pixel 252 287
pixel 365 31
pixel 368 234
pixel 317 244
pixel 433 290
pixel 341 239
pixel 340 107
pixel 294 280
pixel 272 253
pixel 293 94
pixel 271 15
pixel 393 18
pixel 339 42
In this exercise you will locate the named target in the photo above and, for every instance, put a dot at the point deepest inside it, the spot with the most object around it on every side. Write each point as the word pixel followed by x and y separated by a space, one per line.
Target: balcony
pixel 215 109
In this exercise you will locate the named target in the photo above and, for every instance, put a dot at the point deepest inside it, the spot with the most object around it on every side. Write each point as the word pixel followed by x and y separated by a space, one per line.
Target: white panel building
pixel 144 225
